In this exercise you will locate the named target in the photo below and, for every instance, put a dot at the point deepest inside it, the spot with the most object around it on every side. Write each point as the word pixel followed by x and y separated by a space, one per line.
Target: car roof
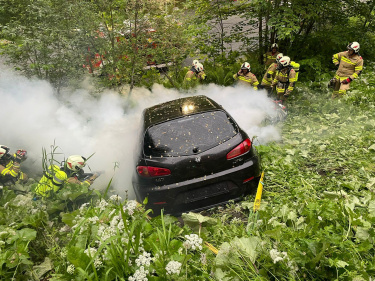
pixel 178 108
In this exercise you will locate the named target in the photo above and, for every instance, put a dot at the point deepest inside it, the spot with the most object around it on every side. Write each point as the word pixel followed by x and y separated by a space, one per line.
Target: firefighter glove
pixel 347 81
pixel 21 155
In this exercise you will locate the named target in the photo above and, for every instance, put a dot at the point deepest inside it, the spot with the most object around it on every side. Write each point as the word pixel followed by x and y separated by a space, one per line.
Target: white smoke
pixel 106 126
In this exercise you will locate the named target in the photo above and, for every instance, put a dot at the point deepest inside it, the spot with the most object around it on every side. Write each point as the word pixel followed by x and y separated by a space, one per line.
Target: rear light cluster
pixel 240 149
pixel 148 171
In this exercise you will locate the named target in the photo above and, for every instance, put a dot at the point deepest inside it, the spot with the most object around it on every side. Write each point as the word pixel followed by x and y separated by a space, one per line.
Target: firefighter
pixel 270 74
pixel 10 166
pixel 270 56
pixel 195 73
pixel 350 66
pixel 245 77
pixel 56 177
pixel 285 78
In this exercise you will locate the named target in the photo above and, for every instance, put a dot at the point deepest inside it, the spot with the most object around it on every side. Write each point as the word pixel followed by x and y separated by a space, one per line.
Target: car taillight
pixel 240 149
pixel 148 171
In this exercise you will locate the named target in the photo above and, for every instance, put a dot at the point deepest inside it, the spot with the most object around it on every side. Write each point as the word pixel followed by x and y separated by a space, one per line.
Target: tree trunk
pixel 135 48
pixel 260 35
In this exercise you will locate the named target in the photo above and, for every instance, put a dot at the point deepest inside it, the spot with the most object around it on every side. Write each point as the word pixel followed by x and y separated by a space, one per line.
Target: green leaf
pixel 362 233
pixel 43 268
pixel 247 246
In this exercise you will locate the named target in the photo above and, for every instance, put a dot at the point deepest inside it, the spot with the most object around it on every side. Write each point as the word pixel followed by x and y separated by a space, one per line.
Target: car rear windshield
pixel 189 134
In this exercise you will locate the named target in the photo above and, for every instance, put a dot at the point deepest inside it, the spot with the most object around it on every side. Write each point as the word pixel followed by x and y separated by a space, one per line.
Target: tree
pixel 46 43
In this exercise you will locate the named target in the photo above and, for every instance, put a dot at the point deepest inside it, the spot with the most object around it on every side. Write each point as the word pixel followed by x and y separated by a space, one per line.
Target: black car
pixel 192 156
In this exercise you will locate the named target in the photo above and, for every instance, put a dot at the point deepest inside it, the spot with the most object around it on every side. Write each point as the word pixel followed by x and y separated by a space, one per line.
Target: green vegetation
pixel 316 220
pixel 317 215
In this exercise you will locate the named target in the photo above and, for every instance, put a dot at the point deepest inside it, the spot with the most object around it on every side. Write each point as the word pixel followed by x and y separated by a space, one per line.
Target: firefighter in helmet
pixel 270 56
pixel 350 66
pixel 285 78
pixel 10 166
pixel 56 177
pixel 245 77
pixel 270 74
pixel 196 72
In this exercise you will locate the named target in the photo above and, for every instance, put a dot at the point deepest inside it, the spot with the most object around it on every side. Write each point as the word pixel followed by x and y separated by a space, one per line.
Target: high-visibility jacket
pixel 349 67
pixel 10 172
pixel 269 58
pixel 53 179
pixel 269 75
pixel 193 75
pixel 248 80
pixel 284 80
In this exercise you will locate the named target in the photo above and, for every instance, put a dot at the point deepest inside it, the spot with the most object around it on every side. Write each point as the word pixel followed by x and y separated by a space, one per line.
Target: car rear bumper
pixel 202 193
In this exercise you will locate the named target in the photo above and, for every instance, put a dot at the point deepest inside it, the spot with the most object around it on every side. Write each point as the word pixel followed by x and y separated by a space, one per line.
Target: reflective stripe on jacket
pixel 284 80
pixel 270 75
pixel 249 79
pixel 52 180
pixel 349 66
pixel 269 58
pixel 11 172
pixel 191 75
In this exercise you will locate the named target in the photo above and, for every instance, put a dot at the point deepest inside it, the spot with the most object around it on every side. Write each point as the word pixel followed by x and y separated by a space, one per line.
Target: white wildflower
pixel 115 220
pixel 193 242
pixel 98 263
pixel 63 253
pixel 83 208
pixel 93 219
pixel 115 198
pixel 320 218
pixel 71 268
pixel 90 252
pixel 105 232
pixel 144 259
pixel 173 267
pixel 276 256
pixel 139 275
pixel 130 207
pixel 102 205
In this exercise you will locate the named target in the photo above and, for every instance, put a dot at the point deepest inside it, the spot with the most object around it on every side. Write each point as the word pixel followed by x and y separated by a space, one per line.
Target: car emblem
pixel 198 159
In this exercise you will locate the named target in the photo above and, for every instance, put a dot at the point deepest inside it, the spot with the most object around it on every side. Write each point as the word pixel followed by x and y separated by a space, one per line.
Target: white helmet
pixel 279 56
pixel 274 45
pixel 75 162
pixel 199 67
pixel 245 65
pixel 285 61
pixel 354 46
pixel 195 62
pixel 3 150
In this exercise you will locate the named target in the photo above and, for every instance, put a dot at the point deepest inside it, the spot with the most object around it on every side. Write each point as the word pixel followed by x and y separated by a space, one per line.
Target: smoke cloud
pixel 33 117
